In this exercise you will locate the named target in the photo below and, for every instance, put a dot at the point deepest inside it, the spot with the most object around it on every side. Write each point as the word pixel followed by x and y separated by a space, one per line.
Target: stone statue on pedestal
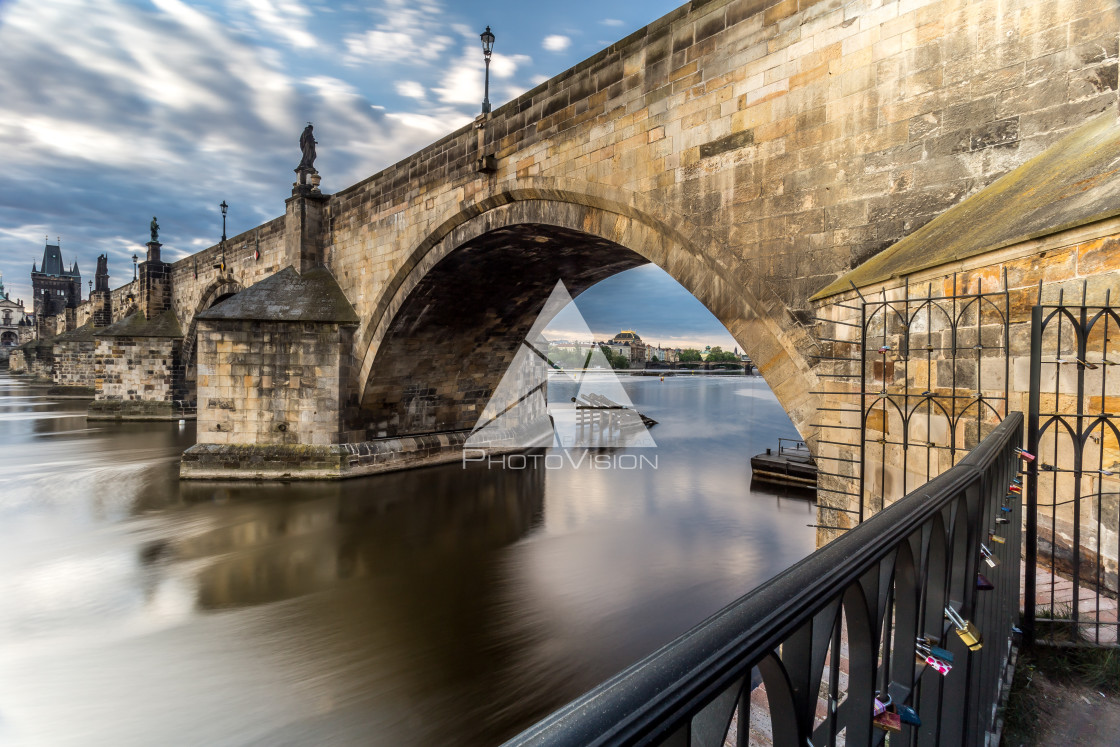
pixel 155 229
pixel 307 146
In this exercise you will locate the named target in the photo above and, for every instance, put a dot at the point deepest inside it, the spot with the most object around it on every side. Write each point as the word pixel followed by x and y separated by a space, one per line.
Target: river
pixel 451 605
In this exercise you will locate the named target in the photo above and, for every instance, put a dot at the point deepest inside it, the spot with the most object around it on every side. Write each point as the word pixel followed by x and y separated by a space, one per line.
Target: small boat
pixel 791 465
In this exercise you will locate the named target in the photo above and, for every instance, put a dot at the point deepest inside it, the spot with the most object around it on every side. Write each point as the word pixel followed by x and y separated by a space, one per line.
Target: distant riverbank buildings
pixel 16 326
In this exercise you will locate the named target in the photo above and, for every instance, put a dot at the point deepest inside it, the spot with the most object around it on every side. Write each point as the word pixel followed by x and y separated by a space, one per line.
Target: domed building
pixel 629 344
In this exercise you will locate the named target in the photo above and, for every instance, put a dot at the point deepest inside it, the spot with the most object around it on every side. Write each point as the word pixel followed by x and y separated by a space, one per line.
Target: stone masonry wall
pixel 1075 262
pixel 133 369
pixel 74 363
pixel 768 146
pixel 271 383
pixel 194 279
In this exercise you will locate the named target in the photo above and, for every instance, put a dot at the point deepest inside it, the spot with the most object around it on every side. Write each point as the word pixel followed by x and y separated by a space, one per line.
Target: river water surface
pixel 438 606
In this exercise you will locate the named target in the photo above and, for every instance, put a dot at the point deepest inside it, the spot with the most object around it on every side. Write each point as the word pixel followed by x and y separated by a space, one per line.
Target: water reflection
pixel 443 605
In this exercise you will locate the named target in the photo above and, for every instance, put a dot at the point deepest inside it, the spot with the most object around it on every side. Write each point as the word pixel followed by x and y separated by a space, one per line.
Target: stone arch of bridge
pixel 446 328
pixel 218 291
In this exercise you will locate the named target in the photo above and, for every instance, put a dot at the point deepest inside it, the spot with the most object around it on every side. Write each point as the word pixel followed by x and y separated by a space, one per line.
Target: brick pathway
pixel 1047 583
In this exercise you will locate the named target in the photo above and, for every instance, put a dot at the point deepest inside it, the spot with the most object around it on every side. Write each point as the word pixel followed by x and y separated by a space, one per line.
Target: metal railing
pixel 854 607
pixel 1073 487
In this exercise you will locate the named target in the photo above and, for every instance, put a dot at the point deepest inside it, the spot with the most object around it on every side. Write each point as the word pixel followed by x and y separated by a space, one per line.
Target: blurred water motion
pixel 435 606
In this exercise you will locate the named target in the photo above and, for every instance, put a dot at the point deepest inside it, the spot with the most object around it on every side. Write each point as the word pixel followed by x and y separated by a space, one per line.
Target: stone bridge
pixel 755 150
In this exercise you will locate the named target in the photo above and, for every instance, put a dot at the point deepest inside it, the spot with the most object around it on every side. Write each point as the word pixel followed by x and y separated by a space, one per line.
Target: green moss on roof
pixel 83 333
pixel 165 324
pixel 288 296
pixel 1074 182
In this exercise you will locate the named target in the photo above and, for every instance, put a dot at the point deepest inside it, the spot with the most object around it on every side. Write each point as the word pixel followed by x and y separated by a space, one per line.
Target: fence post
pixel 1030 556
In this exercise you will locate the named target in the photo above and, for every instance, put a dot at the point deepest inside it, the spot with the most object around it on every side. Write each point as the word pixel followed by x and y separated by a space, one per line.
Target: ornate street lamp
pixel 487 48
pixel 221 267
pixel 135 259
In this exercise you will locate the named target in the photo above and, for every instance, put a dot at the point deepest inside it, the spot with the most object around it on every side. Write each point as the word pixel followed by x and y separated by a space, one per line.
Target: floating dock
pixel 791 465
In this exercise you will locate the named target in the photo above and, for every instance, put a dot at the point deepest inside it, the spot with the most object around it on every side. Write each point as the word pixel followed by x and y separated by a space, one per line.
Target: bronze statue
pixel 155 229
pixel 307 145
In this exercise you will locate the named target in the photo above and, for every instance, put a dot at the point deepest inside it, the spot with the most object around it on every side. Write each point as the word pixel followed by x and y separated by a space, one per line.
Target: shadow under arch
pixel 218 291
pixel 542 234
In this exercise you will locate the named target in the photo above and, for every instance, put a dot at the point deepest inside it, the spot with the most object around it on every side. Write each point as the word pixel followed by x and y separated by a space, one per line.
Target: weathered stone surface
pixel 288 296
pixel 288 461
pixel 1070 184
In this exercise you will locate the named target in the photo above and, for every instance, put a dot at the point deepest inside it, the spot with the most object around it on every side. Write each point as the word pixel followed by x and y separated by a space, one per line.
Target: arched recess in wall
pixel 214 294
pixel 513 246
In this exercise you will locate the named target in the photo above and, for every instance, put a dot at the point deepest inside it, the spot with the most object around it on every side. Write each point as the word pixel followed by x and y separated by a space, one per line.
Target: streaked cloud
pixel 410 89
pixel 409 29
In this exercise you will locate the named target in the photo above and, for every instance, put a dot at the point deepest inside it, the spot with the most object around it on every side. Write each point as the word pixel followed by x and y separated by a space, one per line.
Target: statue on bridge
pixel 307 145
pixel 154 227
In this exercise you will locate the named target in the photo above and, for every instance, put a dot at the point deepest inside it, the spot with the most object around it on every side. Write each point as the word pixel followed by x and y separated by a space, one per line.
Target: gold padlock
pixel 966 631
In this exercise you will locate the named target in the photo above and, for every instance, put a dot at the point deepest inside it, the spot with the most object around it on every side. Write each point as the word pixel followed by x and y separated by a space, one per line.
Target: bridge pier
pixel 138 359
pixel 274 389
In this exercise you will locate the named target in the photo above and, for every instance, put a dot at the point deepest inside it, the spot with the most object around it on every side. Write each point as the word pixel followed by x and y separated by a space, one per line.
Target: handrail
pixel 906 563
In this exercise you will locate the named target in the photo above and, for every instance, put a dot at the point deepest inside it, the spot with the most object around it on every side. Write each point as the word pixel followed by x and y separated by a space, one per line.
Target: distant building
pixel 666 355
pixel 628 344
pixel 15 325
pixel 55 286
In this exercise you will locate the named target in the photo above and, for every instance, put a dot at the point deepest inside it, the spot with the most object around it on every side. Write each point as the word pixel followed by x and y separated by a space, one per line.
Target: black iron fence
pixel 1073 490
pixel 826 635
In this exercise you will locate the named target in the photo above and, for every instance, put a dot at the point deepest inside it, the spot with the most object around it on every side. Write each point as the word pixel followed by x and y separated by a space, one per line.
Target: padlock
pixel 1005 509
pixel 1016 481
pixel 929 643
pixel 986 554
pixel 878 707
pixel 995 538
pixel 908 715
pixel 1014 489
pixel 966 631
pixel 1002 520
pixel 1024 454
pixel 941 666
pixel 884 348
pixel 888 722
pixel 983 584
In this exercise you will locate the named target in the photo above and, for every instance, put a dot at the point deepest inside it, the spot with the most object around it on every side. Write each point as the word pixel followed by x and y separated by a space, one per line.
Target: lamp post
pixel 487 48
pixel 222 265
pixel 135 259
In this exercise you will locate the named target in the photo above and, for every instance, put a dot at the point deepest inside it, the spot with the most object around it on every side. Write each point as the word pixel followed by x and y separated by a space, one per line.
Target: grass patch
pixel 1097 669
pixel 1023 717
pixel 1094 668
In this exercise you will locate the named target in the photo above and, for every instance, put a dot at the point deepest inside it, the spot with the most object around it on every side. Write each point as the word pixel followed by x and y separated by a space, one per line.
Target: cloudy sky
pixel 112 111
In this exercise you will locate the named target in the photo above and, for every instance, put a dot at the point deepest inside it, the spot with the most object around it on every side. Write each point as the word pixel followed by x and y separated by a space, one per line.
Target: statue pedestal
pixel 153 251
